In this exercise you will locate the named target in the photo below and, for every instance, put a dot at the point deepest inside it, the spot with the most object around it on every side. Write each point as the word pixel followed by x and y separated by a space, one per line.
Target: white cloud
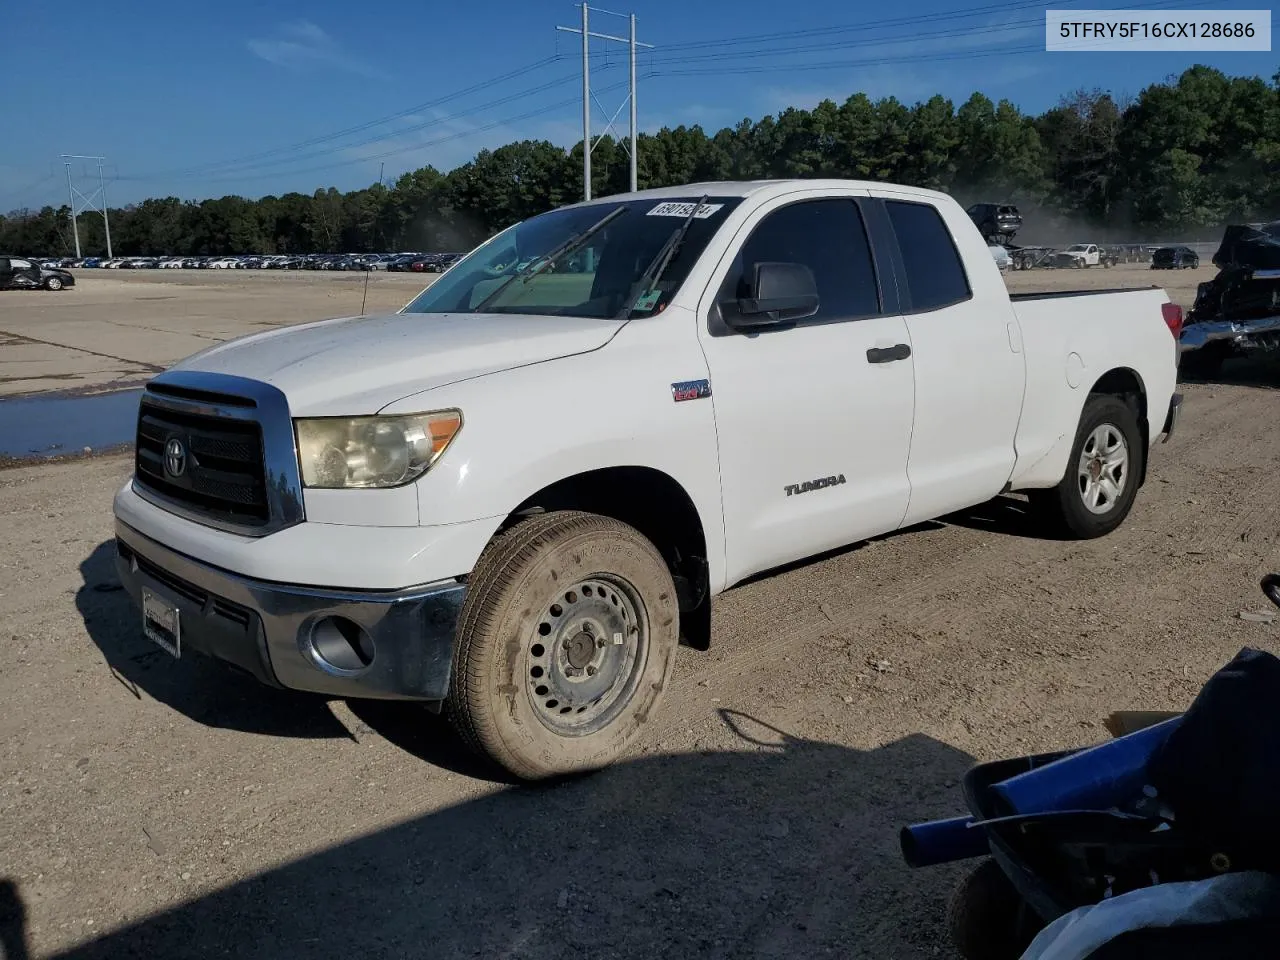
pixel 303 45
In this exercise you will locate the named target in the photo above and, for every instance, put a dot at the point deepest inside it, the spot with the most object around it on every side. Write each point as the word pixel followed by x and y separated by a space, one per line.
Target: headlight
pixel 337 452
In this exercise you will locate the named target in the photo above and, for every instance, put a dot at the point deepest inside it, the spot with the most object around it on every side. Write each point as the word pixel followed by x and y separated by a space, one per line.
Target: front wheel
pixel 53 283
pixel 565 645
pixel 1101 481
pixel 987 917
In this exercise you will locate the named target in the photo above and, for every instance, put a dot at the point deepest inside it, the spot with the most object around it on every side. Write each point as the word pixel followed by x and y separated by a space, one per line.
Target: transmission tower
pixel 96 201
pixel 587 96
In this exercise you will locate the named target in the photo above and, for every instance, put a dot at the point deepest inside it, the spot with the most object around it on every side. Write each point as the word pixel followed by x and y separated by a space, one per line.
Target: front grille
pixel 223 474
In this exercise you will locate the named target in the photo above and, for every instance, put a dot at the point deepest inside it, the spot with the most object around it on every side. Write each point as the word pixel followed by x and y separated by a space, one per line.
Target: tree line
pixel 1183 157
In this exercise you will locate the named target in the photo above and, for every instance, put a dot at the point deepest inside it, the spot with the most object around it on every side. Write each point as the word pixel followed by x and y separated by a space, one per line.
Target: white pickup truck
pixel 513 498
pixel 1085 255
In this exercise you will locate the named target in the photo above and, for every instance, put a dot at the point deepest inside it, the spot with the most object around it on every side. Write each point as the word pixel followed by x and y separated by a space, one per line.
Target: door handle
pixel 899 351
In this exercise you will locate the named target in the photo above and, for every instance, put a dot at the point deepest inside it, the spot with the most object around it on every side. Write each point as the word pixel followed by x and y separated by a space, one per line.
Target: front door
pixel 813 420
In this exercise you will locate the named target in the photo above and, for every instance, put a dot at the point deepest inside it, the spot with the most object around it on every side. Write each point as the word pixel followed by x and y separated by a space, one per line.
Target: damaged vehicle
pixel 21 273
pixel 1237 313
pixel 1080 255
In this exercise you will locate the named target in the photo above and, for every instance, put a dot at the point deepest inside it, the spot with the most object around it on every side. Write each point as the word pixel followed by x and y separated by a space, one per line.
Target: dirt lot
pixel 117 328
pixel 173 809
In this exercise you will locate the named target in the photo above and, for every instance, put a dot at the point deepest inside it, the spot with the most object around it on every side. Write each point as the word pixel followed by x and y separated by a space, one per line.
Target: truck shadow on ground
pixel 425 735
pixel 197 687
pixel 1007 515
pixel 1262 372
pixel 788 849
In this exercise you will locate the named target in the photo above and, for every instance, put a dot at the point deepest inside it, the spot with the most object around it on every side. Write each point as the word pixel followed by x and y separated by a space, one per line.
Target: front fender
pixel 530 427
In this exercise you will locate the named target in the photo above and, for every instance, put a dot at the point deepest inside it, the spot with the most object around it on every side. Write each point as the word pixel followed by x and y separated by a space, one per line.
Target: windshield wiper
pixel 653 273
pixel 535 267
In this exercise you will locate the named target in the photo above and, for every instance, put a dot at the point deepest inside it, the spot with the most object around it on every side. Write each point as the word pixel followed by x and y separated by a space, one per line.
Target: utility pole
pixel 382 167
pixel 96 201
pixel 632 100
pixel 71 195
pixel 633 44
pixel 106 220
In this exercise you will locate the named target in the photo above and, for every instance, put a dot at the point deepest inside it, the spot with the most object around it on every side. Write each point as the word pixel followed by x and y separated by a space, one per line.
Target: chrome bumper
pixel 283 634
pixel 1196 335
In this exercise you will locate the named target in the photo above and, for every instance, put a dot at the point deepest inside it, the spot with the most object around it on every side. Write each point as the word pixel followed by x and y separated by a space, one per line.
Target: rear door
pixel 967 362
pixel 813 420
pixel 25 270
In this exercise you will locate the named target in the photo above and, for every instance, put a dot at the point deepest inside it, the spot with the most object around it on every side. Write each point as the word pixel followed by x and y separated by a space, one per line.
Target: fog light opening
pixel 341 645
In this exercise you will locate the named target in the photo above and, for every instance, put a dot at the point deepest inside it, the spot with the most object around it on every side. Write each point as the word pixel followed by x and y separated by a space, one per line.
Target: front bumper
pixel 277 632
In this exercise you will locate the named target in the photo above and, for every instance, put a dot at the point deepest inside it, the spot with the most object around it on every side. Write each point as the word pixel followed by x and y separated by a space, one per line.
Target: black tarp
pixel 1246 247
pixel 1220 768
pixel 1236 293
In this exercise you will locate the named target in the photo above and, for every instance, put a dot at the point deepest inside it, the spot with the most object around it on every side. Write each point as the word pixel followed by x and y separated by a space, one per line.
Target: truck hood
pixel 353 366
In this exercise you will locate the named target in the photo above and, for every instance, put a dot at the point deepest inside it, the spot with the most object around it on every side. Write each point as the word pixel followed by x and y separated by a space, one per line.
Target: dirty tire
pixel 498 699
pixel 53 283
pixel 986 917
pixel 1063 507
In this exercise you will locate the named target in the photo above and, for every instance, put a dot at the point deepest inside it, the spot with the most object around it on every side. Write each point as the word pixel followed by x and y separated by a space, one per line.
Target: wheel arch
pixel 658 506
pixel 1127 384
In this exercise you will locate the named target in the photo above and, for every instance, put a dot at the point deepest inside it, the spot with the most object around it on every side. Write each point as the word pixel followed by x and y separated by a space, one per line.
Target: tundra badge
pixel 794 488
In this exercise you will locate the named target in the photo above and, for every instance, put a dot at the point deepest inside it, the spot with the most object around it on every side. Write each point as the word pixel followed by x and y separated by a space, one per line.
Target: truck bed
pixel 1064 294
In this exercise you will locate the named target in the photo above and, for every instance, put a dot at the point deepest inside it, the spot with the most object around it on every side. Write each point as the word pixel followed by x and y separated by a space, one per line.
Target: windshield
pixel 1076 248
pixel 595 280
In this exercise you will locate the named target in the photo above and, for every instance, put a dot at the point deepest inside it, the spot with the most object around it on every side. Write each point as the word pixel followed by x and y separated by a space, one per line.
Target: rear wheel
pixel 1101 481
pixel 565 644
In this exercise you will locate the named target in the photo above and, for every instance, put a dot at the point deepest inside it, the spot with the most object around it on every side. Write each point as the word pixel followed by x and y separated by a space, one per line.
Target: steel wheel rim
pixel 1103 471
pixel 586 655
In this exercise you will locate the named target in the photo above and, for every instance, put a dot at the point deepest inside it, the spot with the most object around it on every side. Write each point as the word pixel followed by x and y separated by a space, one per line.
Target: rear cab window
pixel 935 274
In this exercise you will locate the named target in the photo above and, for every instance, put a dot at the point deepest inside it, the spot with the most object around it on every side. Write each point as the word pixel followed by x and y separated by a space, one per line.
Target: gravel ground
pixel 175 809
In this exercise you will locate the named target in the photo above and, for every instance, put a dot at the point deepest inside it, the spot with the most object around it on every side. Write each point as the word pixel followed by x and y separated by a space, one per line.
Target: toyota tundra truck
pixel 516 496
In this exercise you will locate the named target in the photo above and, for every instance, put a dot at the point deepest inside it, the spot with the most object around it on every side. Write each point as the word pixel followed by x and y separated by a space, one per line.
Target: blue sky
pixel 233 96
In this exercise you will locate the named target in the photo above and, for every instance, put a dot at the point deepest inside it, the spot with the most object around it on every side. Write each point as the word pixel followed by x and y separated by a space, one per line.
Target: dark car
pixel 21 273
pixel 999 221
pixel 400 264
pixel 1175 258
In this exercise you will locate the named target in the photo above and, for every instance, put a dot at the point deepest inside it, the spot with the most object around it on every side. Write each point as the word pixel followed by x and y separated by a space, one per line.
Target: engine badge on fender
pixel 690 390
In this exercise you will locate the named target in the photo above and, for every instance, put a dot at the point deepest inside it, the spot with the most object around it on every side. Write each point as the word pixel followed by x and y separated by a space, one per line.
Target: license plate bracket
pixel 161 622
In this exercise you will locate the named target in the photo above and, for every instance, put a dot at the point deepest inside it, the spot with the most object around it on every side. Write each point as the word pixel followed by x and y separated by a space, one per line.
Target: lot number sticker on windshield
pixel 678 209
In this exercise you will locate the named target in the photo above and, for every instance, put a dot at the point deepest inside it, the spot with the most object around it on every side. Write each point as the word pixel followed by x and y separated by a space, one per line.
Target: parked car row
pixel 415 262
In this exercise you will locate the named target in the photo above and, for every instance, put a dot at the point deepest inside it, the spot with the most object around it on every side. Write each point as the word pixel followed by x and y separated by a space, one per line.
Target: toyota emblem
pixel 175 457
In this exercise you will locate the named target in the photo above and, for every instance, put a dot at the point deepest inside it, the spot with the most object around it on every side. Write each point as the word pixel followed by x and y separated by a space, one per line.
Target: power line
pixel 541 111
pixel 860 27
pixel 269 164
pixel 30 187
pixel 360 127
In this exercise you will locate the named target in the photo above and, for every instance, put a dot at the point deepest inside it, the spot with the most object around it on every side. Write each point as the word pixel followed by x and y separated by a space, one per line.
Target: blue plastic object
pixel 942 841
pixel 1096 778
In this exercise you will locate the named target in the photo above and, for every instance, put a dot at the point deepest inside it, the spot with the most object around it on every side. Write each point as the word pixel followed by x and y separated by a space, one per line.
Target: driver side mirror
pixel 781 293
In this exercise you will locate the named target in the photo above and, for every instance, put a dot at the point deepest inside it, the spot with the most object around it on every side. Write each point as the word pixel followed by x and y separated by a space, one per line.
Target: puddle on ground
pixel 54 426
